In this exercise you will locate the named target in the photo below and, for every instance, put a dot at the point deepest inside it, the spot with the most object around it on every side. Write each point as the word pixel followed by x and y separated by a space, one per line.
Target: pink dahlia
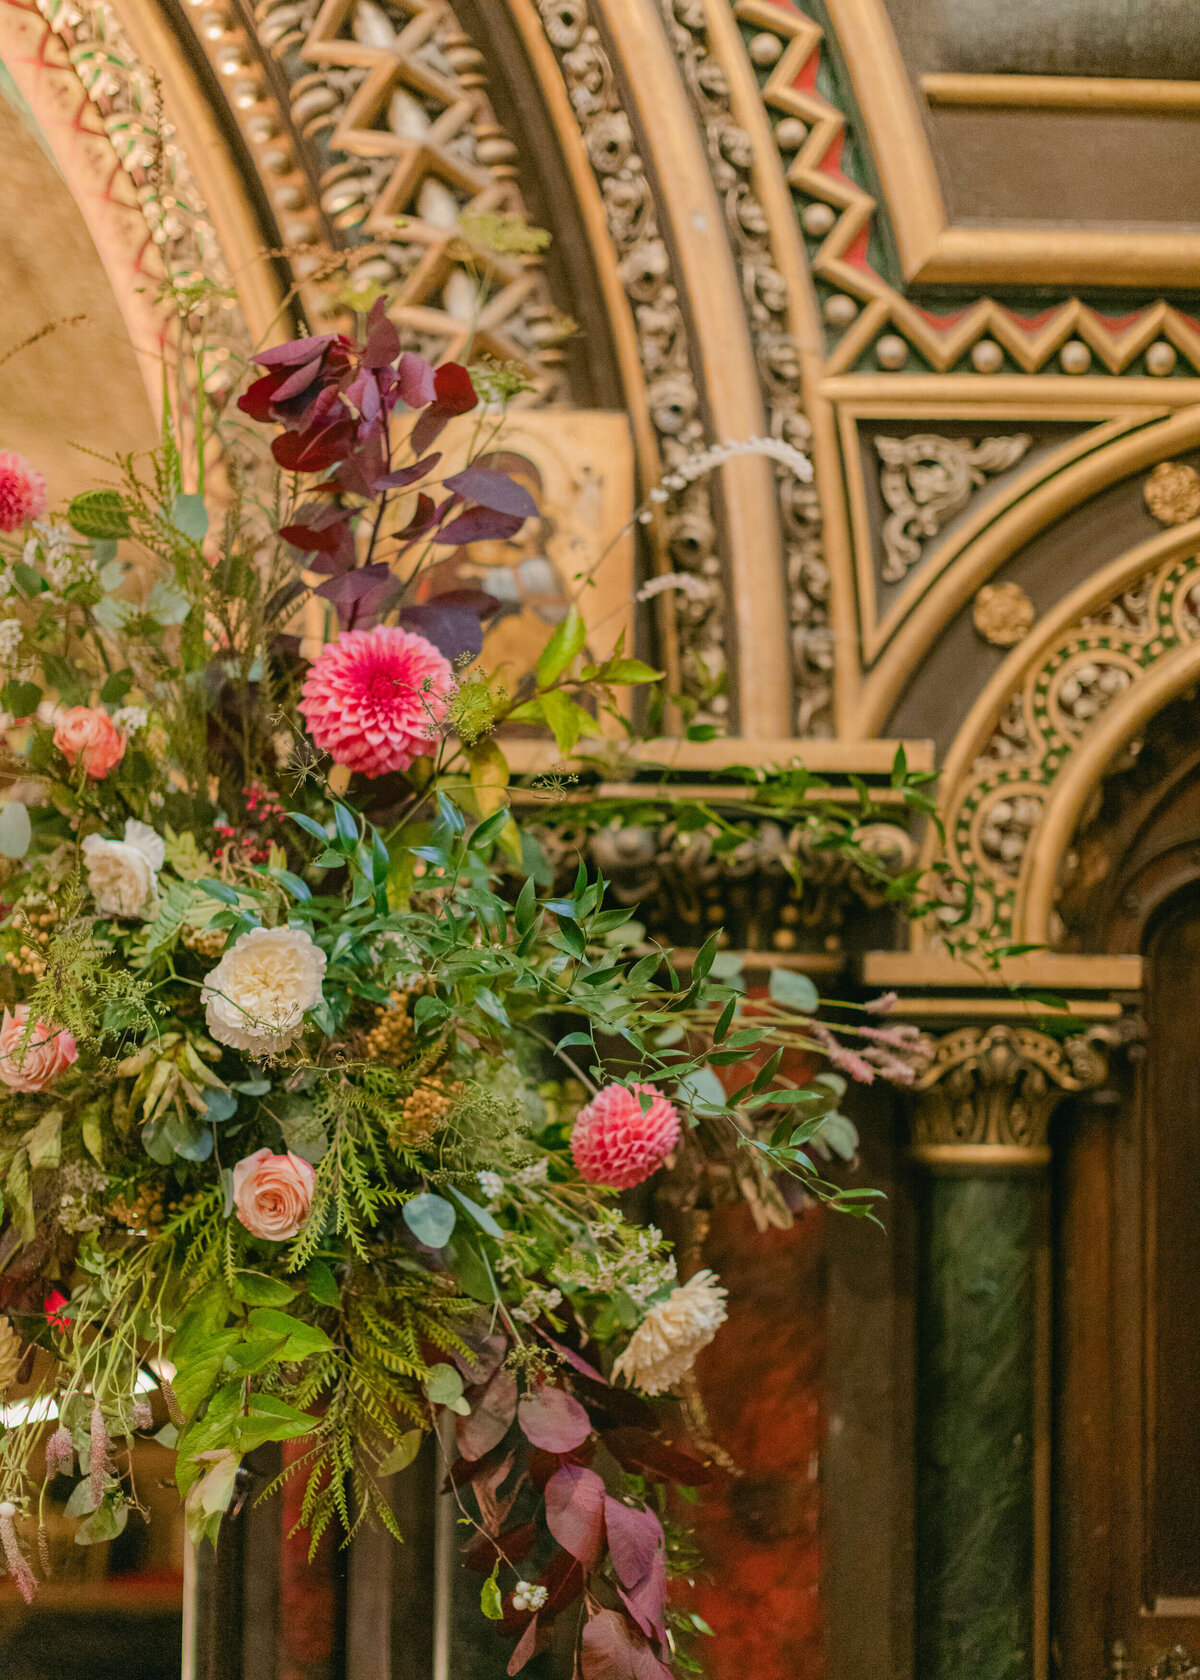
pixel 372 698
pixel 615 1143
pixel 23 494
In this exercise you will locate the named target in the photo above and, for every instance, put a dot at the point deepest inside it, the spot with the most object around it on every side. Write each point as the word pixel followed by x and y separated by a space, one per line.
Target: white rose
pixel 663 1348
pixel 256 997
pixel 123 874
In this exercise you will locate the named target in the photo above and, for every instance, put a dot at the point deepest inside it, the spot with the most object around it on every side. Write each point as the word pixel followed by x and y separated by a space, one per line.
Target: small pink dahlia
pixel 371 698
pixel 615 1143
pixel 23 493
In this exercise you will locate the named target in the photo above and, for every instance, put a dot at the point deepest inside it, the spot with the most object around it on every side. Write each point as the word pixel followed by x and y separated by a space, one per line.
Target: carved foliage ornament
pixel 1003 613
pixel 1172 492
pixel 753 240
pixel 995 1088
pixel 926 481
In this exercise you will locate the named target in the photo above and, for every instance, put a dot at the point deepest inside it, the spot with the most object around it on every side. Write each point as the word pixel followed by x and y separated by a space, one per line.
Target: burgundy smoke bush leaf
pixel 491 1415
pixel 452 630
pixel 637 1450
pixel 383 341
pixel 256 400
pixel 635 1538
pixel 297 351
pixel 485 1355
pixel 480 524
pixel 493 490
pixel 363 394
pixel 611 1650
pixel 494 1506
pixel 575 1511
pixel 360 596
pixel 404 476
pixel 526 1647
pixel 647 1603
pixel 563 1580
pixel 575 1360
pixel 553 1420
pixel 453 394
pixel 515 1544
pixel 477 601
pixel 315 449
pixel 418 385
pixel 298 380
pixel 424 519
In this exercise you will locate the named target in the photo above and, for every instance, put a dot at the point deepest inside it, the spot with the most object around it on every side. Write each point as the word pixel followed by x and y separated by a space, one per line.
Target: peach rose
pixel 31 1065
pixel 273 1193
pixel 88 735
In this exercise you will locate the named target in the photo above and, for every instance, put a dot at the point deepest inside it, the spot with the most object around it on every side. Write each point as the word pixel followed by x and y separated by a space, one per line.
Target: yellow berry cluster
pixel 143 1212
pixel 209 943
pixel 423 1111
pixel 391 1038
pixel 34 920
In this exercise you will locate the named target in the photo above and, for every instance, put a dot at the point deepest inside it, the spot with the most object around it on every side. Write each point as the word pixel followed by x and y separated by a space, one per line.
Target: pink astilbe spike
pixel 99 1456
pixel 60 1453
pixel 142 1414
pixel 174 1410
pixel 18 1564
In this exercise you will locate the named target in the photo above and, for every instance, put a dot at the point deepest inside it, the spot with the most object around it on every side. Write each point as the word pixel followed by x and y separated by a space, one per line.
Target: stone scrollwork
pixel 649 281
pixel 986 1094
pixel 927 481
pixel 765 294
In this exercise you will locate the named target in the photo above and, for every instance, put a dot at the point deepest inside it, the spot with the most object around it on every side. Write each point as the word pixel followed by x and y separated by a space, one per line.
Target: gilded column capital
pixel 986 1094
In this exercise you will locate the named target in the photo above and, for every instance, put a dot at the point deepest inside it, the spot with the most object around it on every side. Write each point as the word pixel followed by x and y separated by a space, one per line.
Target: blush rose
pixel 87 735
pixel 30 1064
pixel 273 1194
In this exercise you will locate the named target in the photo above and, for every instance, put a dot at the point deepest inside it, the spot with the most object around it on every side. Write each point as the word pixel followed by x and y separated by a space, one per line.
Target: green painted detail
pixel 975 1429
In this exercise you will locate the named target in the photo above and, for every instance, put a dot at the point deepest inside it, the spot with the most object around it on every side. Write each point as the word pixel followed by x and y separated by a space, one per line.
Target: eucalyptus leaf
pixel 431 1219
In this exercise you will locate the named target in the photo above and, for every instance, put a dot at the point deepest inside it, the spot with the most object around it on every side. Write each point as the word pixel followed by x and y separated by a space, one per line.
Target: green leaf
pixel 704 1089
pixel 44 1142
pixel 795 990
pixel 490 830
pixel 431 1219
pixel 271 1419
pixel 116 688
pixel 218 889
pixel 103 1524
pixel 16 831
pixel 526 908
pixel 622 671
pixel 99 513
pixel 310 826
pixel 402 1454
pixel 561 649
pixel 256 1289
pixel 567 720
pixel 190 516
pixel 480 1215
pixel 298 888
pixel 490 1601
pixel 322 1285
pixel 20 698
pixel 346 828
pixel 302 1339
pixel 444 1387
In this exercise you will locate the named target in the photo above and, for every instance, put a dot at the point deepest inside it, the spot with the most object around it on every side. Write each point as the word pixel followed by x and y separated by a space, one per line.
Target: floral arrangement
pixel 315 1108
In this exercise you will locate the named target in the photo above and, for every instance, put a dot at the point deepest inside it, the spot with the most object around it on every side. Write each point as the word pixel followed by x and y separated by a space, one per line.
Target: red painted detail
pixel 943 323
pixel 1119 322
pixel 1030 321
pixel 807 79
pixel 831 163
pixel 856 252
pixel 763 1384
pixel 307 1591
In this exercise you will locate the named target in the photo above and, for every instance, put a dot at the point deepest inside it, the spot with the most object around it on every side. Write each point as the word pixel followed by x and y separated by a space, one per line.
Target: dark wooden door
pixel 1127 1508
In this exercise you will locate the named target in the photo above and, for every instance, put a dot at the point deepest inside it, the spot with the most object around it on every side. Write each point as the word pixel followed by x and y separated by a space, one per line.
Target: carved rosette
pixel 986 1095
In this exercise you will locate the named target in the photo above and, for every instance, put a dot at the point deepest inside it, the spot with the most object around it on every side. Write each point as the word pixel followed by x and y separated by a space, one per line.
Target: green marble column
pixel 980 1136
pixel 975 1426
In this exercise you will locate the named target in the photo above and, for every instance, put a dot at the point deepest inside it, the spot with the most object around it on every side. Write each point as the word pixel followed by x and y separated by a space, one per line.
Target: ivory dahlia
pixel 373 698
pixel 256 997
pixel 663 1348
pixel 616 1143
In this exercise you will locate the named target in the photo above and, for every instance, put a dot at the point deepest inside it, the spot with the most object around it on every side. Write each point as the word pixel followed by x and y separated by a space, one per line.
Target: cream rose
pixel 31 1064
pixel 256 996
pixel 273 1193
pixel 123 874
pixel 664 1346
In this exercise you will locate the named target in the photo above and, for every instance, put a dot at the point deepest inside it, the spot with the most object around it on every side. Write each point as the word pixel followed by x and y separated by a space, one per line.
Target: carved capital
pixel 986 1094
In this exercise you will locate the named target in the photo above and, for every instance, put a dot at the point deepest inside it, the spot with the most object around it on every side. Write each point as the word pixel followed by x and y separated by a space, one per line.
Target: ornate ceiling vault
pixel 757 231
